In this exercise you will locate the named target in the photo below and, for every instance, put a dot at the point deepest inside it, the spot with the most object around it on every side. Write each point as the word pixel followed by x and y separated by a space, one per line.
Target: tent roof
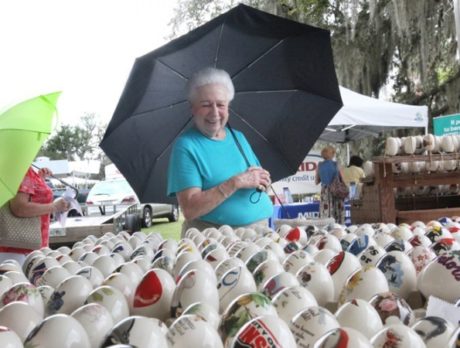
pixel 362 116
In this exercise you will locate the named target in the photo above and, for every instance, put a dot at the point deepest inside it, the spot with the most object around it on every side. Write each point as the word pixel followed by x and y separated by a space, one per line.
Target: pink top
pixel 39 192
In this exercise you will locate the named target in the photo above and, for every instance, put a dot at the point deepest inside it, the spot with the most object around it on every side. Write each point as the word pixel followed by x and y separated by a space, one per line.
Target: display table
pixel 302 210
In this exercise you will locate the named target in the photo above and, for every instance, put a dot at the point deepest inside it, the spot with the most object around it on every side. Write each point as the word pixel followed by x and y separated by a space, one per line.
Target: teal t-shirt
pixel 198 161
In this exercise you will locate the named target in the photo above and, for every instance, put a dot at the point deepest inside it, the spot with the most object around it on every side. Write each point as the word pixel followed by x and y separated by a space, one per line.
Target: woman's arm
pixel 21 206
pixel 317 178
pixel 195 203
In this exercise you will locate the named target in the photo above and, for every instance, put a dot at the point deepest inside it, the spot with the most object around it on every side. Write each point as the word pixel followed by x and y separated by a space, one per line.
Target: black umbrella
pixel 286 92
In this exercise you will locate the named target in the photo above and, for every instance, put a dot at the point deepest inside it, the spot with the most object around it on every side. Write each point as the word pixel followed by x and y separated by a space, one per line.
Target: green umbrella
pixel 23 129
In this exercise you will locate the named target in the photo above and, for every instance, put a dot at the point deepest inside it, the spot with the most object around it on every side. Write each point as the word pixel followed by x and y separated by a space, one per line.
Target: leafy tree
pixel 406 45
pixel 75 142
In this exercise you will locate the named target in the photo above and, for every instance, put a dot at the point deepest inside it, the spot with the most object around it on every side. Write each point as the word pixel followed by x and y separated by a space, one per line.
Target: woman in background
pixel 353 174
pixel 34 198
pixel 327 170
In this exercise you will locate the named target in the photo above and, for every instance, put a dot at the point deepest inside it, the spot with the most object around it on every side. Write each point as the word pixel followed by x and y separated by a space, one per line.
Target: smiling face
pixel 210 110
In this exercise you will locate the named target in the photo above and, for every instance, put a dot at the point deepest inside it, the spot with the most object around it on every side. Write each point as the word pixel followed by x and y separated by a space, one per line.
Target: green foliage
pixel 75 142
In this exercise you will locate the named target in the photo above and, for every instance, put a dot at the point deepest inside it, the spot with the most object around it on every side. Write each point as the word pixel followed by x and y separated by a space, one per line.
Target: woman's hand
pixel 60 205
pixel 45 172
pixel 254 177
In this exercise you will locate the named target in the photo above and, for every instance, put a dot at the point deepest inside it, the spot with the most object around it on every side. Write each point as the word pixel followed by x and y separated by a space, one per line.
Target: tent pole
pixel 348 153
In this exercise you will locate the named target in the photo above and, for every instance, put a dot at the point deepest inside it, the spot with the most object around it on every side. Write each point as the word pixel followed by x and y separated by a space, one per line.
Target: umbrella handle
pixel 61 181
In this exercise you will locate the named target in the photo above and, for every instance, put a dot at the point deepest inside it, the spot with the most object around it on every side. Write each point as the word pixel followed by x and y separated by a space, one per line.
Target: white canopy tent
pixel 362 116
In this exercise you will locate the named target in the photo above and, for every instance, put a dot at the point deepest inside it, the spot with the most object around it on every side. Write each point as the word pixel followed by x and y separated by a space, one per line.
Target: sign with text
pixel 447 125
pixel 302 182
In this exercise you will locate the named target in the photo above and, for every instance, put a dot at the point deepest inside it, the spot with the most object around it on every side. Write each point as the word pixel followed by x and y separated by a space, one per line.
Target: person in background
pixel 326 171
pixel 353 174
pixel 207 170
pixel 34 198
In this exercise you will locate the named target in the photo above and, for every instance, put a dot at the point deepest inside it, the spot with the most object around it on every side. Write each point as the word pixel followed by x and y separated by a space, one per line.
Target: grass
pixel 169 230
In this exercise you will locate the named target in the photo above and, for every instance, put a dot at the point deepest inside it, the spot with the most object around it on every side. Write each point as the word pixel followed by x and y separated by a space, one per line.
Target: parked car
pixel 119 192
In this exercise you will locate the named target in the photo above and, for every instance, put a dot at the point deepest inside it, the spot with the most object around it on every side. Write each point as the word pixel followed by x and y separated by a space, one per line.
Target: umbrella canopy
pixel 23 129
pixel 286 92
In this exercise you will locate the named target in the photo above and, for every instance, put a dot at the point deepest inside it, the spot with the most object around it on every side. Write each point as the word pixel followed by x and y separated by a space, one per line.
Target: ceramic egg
pixel 364 284
pixel 205 312
pixel 194 286
pixel 53 276
pixel 9 338
pixel 241 310
pixel 359 244
pixel 266 270
pixel 27 293
pixel 360 315
pixel 295 261
pixel 121 282
pixel 290 301
pixel 70 294
pixel 314 320
pixel 434 331
pixel 398 336
pixel 234 283
pixel 259 257
pixel 389 305
pixel 138 331
pixel 400 272
pixel 278 282
pixel 441 277
pixel 93 274
pixel 39 267
pixel 226 265
pixel 19 317
pixel 5 284
pixel 263 331
pixel 316 278
pixel 198 265
pixel 96 320
pixel 421 256
pixel 132 270
pixel 324 256
pixel 184 258
pixel 191 331
pixel 344 337
pixel 341 267
pixel 58 331
pixel 112 299
pixel 153 295
pixel 371 255
pixel 72 266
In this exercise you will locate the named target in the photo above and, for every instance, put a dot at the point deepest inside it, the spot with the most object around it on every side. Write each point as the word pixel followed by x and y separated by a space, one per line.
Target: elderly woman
pixel 327 170
pixel 207 171
pixel 34 198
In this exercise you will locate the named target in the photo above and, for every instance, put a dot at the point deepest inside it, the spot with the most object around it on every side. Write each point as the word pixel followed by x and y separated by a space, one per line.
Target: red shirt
pixel 39 192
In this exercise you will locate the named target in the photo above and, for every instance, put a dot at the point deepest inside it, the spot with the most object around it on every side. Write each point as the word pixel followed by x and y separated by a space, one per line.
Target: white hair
pixel 208 76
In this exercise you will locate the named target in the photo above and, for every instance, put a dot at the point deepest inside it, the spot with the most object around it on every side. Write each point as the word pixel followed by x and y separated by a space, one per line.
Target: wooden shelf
pixel 379 204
